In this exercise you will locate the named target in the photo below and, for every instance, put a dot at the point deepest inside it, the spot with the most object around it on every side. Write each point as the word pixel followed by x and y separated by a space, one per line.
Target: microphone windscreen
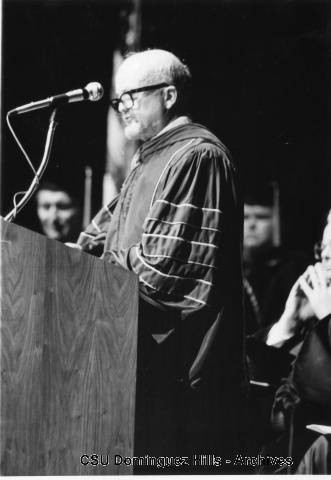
pixel 94 90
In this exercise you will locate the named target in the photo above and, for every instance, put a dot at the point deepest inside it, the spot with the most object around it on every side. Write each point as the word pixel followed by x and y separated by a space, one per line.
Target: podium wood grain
pixel 68 358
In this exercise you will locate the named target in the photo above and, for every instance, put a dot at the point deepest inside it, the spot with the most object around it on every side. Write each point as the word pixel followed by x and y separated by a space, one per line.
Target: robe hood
pixel 176 134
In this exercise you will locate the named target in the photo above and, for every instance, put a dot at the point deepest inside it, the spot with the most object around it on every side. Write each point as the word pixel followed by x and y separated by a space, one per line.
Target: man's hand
pixel 74 245
pixel 316 288
pixel 94 246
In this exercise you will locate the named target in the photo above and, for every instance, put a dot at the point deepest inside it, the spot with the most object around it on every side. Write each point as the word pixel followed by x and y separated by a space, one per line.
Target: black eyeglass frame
pixel 115 102
pixel 319 247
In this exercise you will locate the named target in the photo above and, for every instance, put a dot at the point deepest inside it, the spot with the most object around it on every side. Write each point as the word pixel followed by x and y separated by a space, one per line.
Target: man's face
pixel 326 251
pixel 56 213
pixel 147 116
pixel 329 217
pixel 258 226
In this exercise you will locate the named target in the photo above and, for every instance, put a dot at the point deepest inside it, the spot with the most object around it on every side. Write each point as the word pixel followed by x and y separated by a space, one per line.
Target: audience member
pixel 271 352
pixel 305 396
pixel 269 271
pixel 58 212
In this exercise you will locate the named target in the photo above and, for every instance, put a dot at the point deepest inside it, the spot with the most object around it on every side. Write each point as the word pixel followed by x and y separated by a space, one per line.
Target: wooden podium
pixel 68 359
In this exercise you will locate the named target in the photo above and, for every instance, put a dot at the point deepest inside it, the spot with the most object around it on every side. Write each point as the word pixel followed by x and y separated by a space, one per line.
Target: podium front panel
pixel 68 359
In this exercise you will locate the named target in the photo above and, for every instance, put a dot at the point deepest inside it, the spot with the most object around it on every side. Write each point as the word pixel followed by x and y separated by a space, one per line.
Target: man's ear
pixel 170 96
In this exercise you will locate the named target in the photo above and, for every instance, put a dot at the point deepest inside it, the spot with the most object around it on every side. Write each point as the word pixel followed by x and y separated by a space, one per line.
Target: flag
pixel 120 150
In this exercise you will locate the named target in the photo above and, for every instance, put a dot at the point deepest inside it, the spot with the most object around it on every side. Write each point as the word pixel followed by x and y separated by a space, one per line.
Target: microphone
pixel 92 92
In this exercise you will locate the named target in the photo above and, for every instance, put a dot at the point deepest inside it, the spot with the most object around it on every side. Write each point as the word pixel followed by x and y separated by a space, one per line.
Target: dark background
pixel 261 83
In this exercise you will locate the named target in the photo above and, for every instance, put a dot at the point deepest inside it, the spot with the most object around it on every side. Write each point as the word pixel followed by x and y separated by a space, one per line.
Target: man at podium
pixel 177 224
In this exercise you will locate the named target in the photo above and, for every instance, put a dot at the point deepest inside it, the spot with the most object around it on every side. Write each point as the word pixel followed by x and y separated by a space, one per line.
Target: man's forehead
pixel 257 208
pixel 135 73
pixel 53 196
pixel 327 234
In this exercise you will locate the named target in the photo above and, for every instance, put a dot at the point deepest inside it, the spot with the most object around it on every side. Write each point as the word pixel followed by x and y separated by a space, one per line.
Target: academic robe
pixel 177 224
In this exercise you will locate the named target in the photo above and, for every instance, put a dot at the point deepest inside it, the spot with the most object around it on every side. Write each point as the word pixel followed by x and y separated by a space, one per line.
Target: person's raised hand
pixel 317 289
pixel 297 311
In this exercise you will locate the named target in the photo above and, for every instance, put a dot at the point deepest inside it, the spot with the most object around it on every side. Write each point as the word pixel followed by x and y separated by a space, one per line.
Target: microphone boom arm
pixel 43 164
pixel 93 92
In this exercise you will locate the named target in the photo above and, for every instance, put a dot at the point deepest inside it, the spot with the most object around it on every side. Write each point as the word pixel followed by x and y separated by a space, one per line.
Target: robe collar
pixel 177 133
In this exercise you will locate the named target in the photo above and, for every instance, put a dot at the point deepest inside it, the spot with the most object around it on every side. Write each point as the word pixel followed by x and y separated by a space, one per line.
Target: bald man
pixel 177 225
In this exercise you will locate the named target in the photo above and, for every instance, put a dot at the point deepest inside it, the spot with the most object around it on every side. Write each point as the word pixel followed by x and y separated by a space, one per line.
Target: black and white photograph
pixel 165 237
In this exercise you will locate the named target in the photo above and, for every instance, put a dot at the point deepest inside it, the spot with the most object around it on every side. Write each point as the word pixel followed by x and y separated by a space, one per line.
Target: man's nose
pixel 251 223
pixel 326 253
pixel 53 213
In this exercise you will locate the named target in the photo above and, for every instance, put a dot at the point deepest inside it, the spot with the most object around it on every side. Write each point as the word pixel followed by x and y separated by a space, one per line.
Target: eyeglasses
pixel 319 248
pixel 126 99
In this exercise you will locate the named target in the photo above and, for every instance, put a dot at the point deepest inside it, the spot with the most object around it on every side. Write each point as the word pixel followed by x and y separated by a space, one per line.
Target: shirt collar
pixel 182 120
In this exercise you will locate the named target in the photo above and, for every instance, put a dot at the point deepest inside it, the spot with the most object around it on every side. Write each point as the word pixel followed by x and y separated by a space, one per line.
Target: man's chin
pixel 54 234
pixel 252 244
pixel 132 132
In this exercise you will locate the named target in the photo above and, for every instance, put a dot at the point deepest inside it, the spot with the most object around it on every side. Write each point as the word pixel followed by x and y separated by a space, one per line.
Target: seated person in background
pixel 58 212
pixel 271 352
pixel 297 319
pixel 305 396
pixel 269 271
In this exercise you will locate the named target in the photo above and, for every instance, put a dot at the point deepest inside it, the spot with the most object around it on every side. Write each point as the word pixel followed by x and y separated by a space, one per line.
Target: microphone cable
pixel 37 174
pixel 27 158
